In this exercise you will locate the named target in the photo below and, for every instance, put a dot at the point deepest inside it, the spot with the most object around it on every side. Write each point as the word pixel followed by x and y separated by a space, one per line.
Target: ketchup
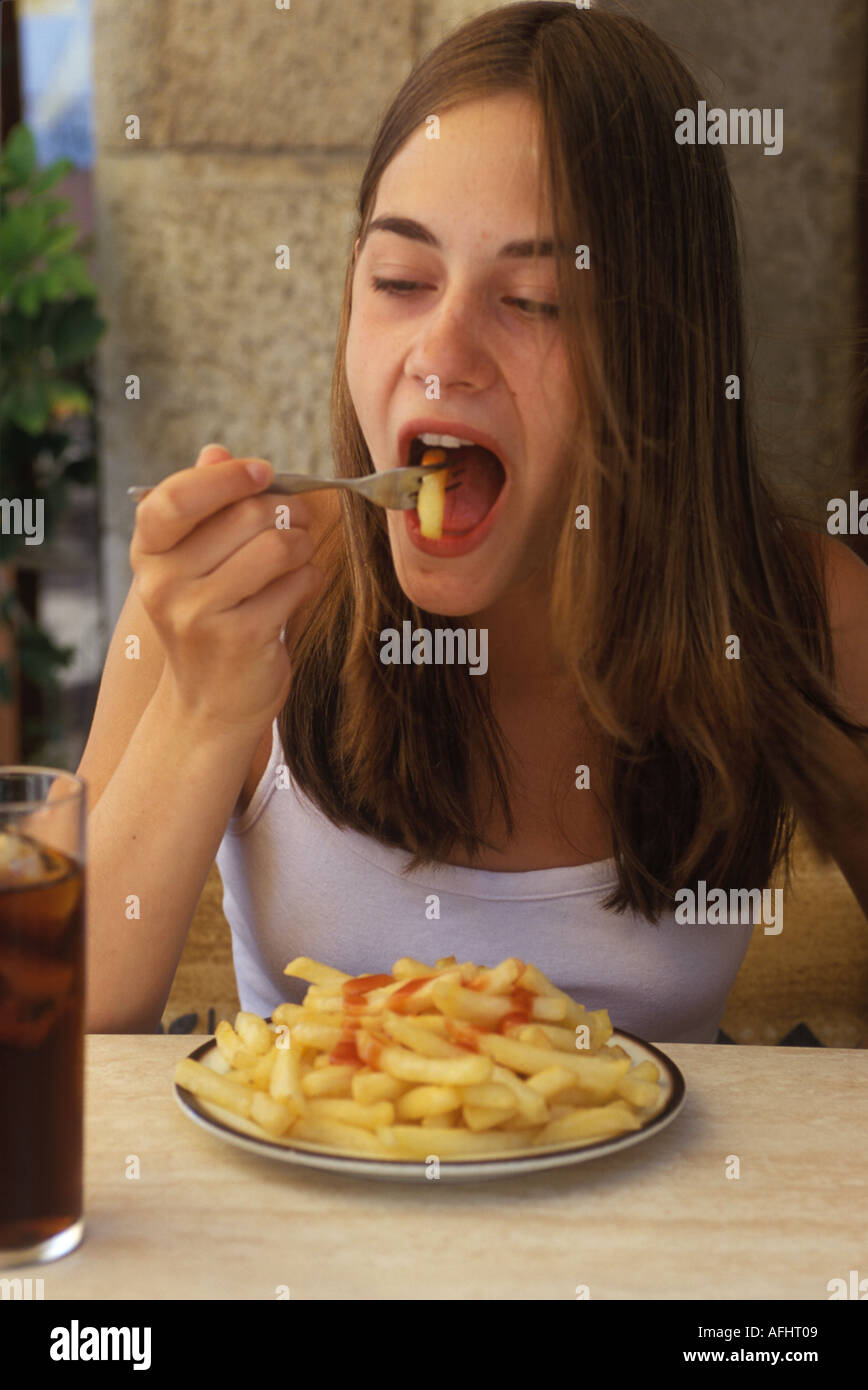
pixel 355 994
pixel 466 1035
pixel 355 990
pixel 398 1000
pixel 522 1001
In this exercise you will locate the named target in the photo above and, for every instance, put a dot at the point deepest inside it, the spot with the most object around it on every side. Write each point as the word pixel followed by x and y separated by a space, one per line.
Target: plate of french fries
pixel 478 1072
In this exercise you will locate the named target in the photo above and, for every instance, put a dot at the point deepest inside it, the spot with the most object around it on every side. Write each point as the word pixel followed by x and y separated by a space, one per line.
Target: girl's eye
pixel 532 306
pixel 395 286
pixel 527 306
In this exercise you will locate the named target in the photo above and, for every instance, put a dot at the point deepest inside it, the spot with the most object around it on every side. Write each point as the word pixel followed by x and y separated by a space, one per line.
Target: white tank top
pixel 296 884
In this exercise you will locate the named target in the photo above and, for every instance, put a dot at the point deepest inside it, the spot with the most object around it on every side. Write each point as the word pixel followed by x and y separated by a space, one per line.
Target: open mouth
pixel 476 477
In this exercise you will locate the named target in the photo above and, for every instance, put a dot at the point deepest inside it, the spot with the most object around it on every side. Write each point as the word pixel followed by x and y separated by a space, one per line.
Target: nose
pixel 450 344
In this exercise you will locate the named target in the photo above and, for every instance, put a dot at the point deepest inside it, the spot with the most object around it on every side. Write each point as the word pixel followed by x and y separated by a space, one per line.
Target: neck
pixel 520 657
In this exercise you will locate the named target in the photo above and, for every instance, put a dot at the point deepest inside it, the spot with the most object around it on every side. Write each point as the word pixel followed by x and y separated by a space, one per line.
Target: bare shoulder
pixel 846 581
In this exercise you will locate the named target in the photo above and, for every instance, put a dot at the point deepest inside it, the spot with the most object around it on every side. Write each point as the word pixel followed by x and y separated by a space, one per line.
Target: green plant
pixel 49 328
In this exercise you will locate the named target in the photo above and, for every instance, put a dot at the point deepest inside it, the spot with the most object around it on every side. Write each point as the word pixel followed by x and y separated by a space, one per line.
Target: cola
pixel 41 1044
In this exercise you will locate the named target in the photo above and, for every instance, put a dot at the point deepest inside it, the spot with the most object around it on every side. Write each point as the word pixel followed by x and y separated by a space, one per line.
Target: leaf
pixel 39 656
pixel 54 285
pixel 74 272
pixel 23 233
pixel 76 333
pixel 51 174
pixel 28 405
pixel 60 239
pixel 29 296
pixel 18 159
pixel 53 207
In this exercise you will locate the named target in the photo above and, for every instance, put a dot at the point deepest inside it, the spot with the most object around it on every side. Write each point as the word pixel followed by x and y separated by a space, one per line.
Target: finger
pixel 264 558
pixel 211 453
pixel 221 536
pixel 214 540
pixel 180 502
pixel 271 609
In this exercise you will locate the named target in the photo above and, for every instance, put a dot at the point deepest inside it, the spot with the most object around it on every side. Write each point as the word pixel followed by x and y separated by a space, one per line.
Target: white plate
pixel 234 1129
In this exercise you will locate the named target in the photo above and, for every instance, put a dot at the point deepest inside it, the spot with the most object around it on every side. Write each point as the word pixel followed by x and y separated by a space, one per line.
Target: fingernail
pixel 259 470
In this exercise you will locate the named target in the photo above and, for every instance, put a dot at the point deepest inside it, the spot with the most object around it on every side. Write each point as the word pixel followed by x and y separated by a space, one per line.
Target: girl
pixel 675 669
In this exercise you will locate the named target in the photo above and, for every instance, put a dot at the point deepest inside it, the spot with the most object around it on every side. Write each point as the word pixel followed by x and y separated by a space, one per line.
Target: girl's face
pixel 467 343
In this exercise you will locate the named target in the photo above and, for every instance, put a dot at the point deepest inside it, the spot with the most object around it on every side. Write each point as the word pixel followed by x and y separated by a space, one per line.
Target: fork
pixel 396 488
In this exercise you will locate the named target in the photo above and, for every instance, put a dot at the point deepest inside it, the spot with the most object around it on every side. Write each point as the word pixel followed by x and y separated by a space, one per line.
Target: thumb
pixel 212 453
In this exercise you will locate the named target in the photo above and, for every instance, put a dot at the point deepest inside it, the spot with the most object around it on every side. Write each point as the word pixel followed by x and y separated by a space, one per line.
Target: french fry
pixel 323 1037
pixel 288 1013
pixel 329 1081
pixel 456 1002
pixel 303 968
pixel 592 1122
pixel 596 1073
pixel 254 1032
pixel 639 1093
pixel 231 1047
pixel 370 1086
pixel 531 1105
pixel 480 1117
pixel 503 977
pixel 208 1084
pixel 261 1078
pixel 560 1038
pixel 409 969
pixel 274 1116
pixel 437 1071
pixel 335 1135
pixel 490 1093
pixel 418 1039
pixel 431 501
pixel 417 1141
pixel 552 1080
pixel 424 1101
pixel 285 1081
pixel 350 1112
pixel 531 1033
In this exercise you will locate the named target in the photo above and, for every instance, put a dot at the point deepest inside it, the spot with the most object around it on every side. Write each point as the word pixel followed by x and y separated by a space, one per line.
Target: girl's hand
pixel 219 581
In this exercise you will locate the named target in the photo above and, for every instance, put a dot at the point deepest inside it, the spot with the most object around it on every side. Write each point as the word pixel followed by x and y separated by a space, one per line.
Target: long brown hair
pixel 706 756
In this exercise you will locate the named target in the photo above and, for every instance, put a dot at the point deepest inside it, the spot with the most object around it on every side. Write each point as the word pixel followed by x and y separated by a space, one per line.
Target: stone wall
pixel 254 129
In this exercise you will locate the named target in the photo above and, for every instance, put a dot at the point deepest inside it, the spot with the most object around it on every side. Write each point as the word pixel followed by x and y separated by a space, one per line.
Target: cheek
pixel 364 362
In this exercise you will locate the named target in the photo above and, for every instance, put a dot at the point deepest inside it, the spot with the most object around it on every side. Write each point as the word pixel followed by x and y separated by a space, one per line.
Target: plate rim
pixel 490 1165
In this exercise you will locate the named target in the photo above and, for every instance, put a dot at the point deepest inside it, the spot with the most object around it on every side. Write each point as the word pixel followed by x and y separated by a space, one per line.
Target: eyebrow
pixel 414 231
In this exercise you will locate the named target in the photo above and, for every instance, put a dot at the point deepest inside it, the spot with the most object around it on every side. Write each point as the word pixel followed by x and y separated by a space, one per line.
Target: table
pixel 205 1220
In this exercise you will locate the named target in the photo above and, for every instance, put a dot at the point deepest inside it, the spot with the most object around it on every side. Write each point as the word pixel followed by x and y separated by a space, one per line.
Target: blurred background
pixel 143 314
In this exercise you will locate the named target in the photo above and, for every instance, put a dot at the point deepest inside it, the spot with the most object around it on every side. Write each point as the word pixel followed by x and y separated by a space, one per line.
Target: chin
pixel 443 591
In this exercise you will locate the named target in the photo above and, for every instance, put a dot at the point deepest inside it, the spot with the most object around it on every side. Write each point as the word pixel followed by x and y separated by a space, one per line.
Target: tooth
pixel 444 441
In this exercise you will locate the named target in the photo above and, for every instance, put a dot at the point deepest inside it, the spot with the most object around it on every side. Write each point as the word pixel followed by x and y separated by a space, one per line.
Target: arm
pixel 847 590
pixel 160 791
pixel 176 728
